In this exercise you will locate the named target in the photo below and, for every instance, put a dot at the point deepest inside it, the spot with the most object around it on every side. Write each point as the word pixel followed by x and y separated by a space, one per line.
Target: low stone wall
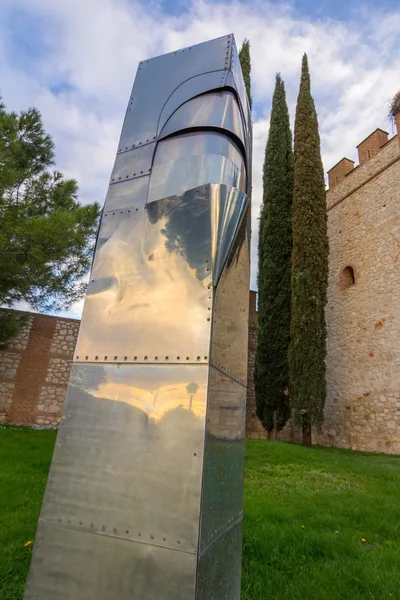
pixel 34 371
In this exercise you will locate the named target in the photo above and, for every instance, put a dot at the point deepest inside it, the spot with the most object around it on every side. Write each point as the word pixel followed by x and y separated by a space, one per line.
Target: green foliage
pixel 274 271
pixel 10 325
pixel 309 264
pixel 46 236
pixel 244 57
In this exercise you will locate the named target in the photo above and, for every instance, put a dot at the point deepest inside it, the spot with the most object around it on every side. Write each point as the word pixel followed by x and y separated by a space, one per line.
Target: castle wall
pixel 363 320
pixel 34 371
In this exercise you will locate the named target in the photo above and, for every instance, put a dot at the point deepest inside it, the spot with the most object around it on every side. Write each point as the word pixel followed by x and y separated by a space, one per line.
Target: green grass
pixel 338 496
pixel 25 457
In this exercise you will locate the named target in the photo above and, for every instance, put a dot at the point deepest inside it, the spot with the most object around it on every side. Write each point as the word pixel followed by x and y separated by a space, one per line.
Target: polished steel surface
pixel 149 297
pixel 220 566
pixel 133 163
pixel 74 565
pixel 158 78
pixel 217 110
pixel 186 161
pixel 111 474
pixel 231 308
pixel 189 89
pixel 127 194
pixel 144 495
pixel 222 492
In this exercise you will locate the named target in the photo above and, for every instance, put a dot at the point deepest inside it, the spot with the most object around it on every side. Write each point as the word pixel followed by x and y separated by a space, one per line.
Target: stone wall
pixel 34 371
pixel 363 317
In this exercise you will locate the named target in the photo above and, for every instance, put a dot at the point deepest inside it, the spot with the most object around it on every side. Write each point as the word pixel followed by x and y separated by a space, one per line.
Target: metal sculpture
pixel 145 492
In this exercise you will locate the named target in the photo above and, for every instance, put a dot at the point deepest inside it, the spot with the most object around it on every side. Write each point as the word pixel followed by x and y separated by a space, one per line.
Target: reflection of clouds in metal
pixel 152 272
pixel 215 110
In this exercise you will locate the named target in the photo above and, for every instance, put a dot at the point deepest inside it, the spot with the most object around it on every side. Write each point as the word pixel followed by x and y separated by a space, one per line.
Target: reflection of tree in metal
pixel 191 389
pixel 90 378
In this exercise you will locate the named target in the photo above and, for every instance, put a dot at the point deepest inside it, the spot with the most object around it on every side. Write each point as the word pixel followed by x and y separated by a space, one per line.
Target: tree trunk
pixel 273 433
pixel 306 430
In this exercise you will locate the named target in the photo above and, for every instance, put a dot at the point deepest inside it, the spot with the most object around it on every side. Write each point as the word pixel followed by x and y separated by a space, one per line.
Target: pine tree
pixel 309 267
pixel 274 271
pixel 244 57
pixel 46 235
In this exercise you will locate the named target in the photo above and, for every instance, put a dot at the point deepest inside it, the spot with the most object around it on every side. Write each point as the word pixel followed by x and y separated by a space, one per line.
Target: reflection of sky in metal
pixel 158 401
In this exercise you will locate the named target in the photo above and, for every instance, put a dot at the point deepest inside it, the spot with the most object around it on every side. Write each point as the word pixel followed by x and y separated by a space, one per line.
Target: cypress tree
pixel 309 267
pixel 274 270
pixel 244 57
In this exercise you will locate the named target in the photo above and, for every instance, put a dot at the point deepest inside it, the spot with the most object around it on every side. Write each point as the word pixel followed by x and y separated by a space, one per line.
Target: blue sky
pixel 76 62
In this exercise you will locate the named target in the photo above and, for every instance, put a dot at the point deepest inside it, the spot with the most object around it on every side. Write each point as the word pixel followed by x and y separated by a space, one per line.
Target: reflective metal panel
pixel 189 89
pixel 173 177
pixel 231 309
pixel 144 495
pixel 240 86
pixel 222 495
pixel 134 163
pixel 148 299
pixel 219 110
pixel 220 567
pixel 227 209
pixel 158 78
pixel 68 564
pixel 127 194
pixel 129 452
pixel 198 143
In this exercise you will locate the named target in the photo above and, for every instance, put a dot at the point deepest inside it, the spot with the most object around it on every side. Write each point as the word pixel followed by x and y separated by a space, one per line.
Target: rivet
pixel 205 358
pixel 115 357
pixel 178 357
pixel 147 140
pixel 91 525
pixel 187 358
pixel 154 137
pixel 194 453
pixel 208 319
pixel 127 531
pixel 119 150
pixel 145 358
pixel 177 541
pixel 165 539
pixel 152 537
pixel 103 528
pixel 106 357
pixel 126 148
pixel 135 358
pixel 113 213
pixel 166 358
pixel 112 180
pixel 127 176
pixel 114 530
pixel 140 143
pixel 77 357
pixel 137 209
pixel 119 178
pixel 96 358
pixel 198 358
pixel 80 522
pixel 125 358
pixel 156 358
pixel 134 174
pixel 141 172
pixel 86 358
pixel 139 534
pixel 133 145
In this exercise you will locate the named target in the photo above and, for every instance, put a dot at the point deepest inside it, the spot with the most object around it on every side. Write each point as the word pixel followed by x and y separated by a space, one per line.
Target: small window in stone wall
pixel 347 278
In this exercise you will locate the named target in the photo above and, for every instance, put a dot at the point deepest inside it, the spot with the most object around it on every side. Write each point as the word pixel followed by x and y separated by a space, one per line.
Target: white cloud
pixel 91 49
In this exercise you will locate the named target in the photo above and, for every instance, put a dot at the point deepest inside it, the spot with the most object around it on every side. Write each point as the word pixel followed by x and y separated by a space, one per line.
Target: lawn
pixel 319 524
